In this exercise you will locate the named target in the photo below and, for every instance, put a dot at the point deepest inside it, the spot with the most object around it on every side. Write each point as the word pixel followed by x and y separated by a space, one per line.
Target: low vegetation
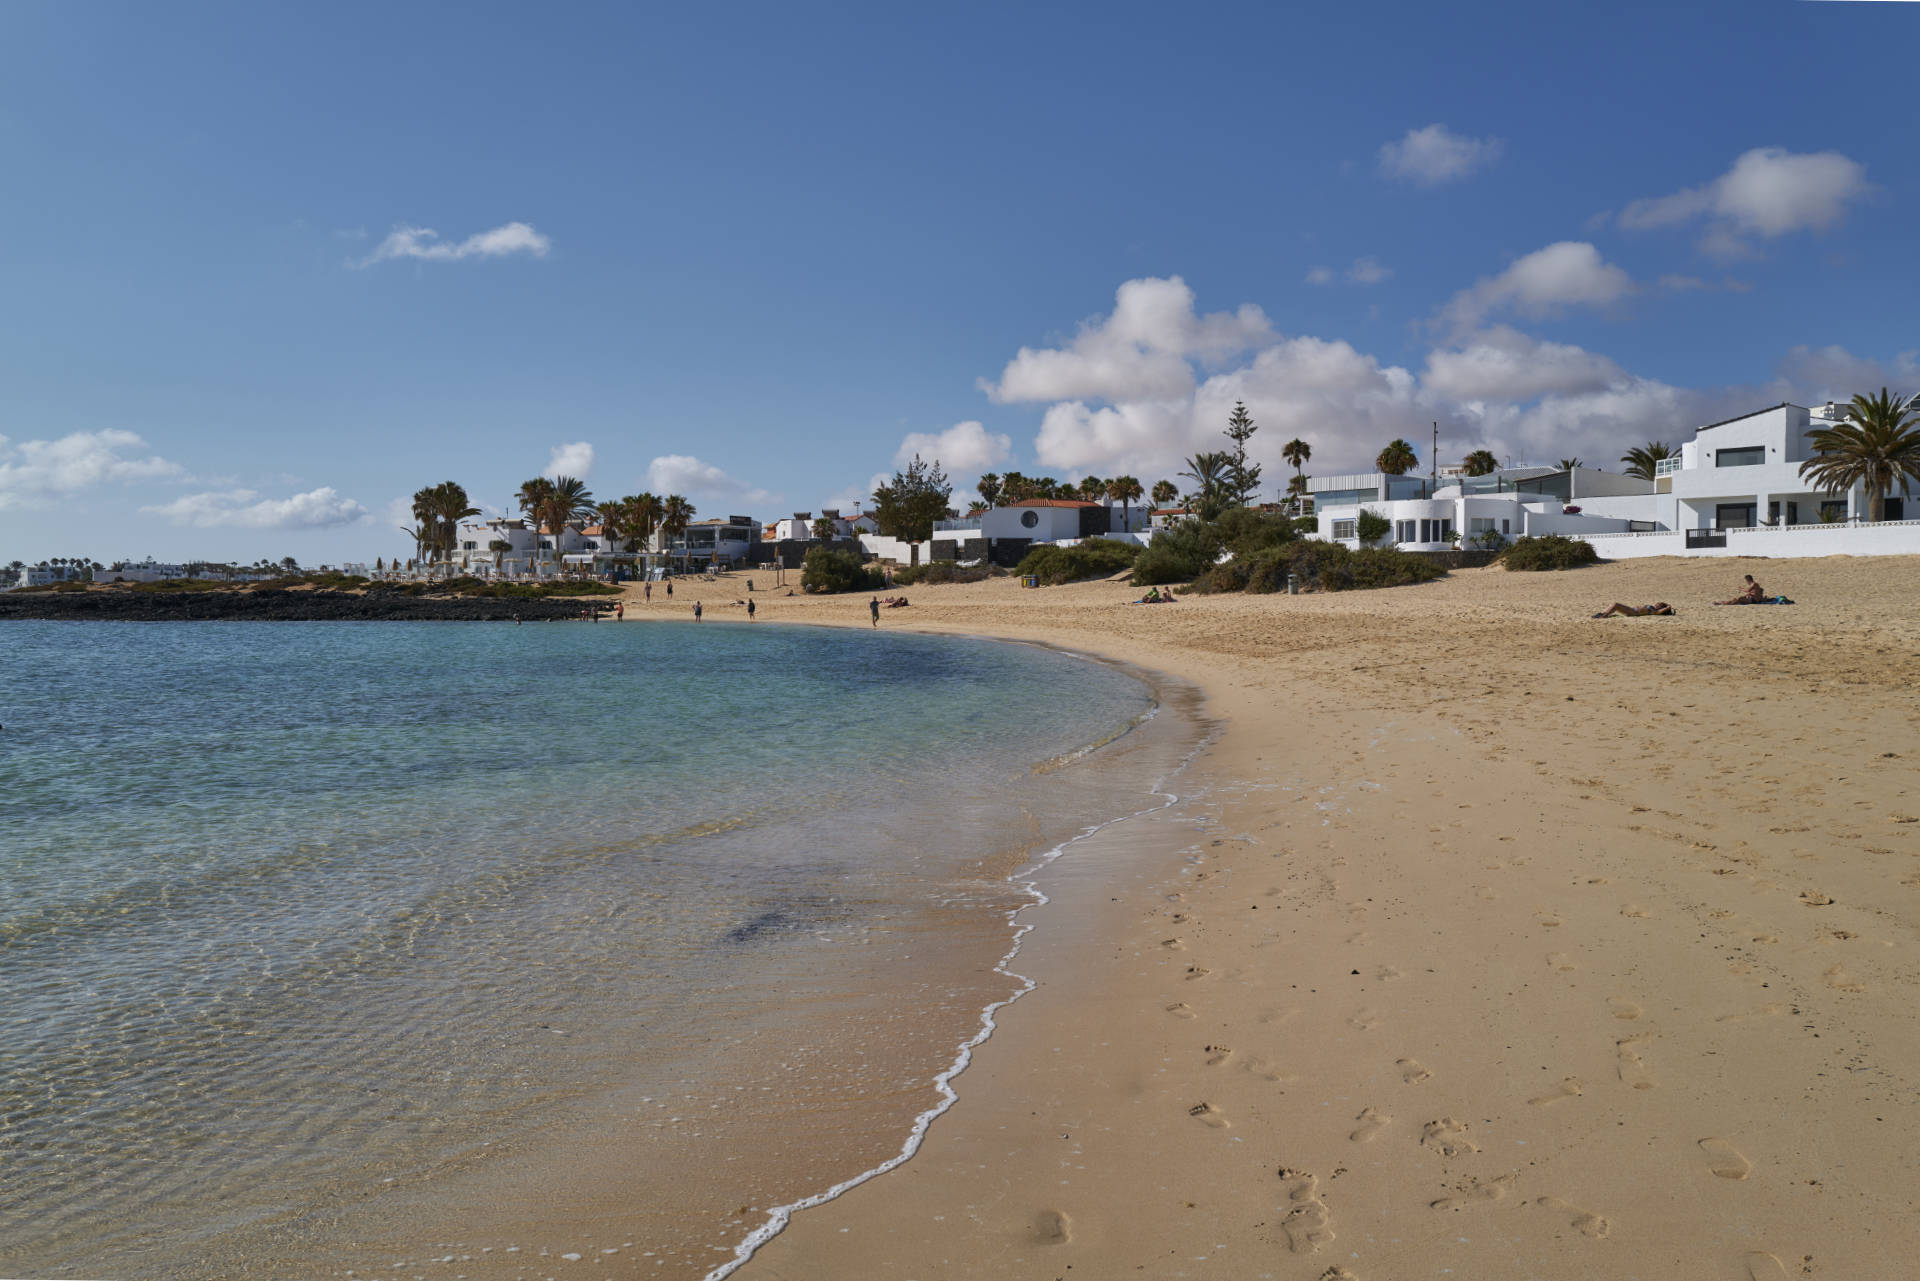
pixel 1549 551
pixel 1253 551
pixel 936 572
pixel 836 569
pixel 1093 558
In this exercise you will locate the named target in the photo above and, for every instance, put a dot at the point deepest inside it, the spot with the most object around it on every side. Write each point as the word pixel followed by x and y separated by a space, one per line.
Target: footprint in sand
pixel 1181 1010
pixel 1306 1223
pixel 1839 980
pixel 1588 1223
pixel 1814 898
pixel 1725 1160
pixel 1207 1114
pixel 1448 1137
pixel 1369 1124
pixel 1197 971
pixel 1623 1008
pixel 1217 1054
pixel 1477 1194
pixel 1365 1020
pixel 1570 1088
pixel 1386 974
pixel 1174 944
pixel 1561 963
pixel 1633 1069
pixel 1337 1273
pixel 1773 1009
pixel 1636 911
pixel 1550 922
pixel 1050 1227
pixel 1268 1070
pixel 1412 1071
pixel 1762 1266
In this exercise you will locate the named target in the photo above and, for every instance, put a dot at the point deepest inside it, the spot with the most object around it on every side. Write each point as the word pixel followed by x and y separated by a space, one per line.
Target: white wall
pixel 1887 538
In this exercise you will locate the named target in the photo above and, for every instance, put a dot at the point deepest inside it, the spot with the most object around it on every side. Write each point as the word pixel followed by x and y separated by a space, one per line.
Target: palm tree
pixel 1644 460
pixel 643 517
pixel 1165 493
pixel 1568 464
pixel 1210 473
pixel 565 499
pixel 1397 459
pixel 1297 452
pixel 976 507
pixel 449 505
pixel 988 489
pixel 1014 488
pixel 676 513
pixel 1481 462
pixel 1126 491
pixel 1878 445
pixel 1091 488
pixel 422 536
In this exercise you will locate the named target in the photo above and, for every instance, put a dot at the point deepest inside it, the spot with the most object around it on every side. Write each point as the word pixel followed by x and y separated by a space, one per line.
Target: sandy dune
pixel 1491 941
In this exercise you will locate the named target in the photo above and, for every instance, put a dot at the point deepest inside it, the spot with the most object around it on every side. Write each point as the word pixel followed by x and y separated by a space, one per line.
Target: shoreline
pixel 1507 934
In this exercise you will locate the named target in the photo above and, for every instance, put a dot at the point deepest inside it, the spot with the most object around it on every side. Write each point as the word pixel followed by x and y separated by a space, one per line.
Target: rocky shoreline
pixel 284 605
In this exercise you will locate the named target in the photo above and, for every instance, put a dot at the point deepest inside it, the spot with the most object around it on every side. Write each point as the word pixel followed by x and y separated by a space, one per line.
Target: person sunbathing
pixel 1634 611
pixel 1753 594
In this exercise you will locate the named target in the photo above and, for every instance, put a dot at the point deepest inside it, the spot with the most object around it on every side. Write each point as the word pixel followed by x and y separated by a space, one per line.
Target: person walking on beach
pixel 646 590
pixel 620 611
pixel 750 610
pixel 669 589
pixel 873 607
pixel 696 611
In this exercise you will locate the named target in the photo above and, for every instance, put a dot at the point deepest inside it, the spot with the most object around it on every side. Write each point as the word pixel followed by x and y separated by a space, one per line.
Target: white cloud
pixel 1436 154
pixel 1504 364
pixel 1139 352
pixel 967 448
pixel 1565 274
pixel 1768 193
pixel 1368 271
pixel 425 243
pixel 685 474
pixel 33 472
pixel 1819 374
pixel 574 460
pixel 321 508
pixel 1364 271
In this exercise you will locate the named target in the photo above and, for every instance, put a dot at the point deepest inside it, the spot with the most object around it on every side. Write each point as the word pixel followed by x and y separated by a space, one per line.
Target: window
pixel 1833 509
pixel 1733 516
pixel 1403 531
pixel 469 547
pixel 1746 456
pixel 1443 530
pixel 1345 529
pixel 1029 518
pixel 1793 513
pixel 1480 524
pixel 1506 525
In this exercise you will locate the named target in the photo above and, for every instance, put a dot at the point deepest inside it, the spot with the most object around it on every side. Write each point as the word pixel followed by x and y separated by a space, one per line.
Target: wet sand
pixel 1492 941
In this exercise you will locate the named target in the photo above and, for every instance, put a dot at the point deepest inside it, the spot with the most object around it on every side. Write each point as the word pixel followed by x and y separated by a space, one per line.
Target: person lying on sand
pixel 1753 595
pixel 1635 611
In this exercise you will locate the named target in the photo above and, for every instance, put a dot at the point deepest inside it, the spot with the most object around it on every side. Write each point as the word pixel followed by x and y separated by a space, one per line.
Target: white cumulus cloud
pixel 1139 352
pixel 1768 193
pixel 1505 364
pixel 1436 154
pixel 574 460
pixel 685 474
pixel 965 448
pixel 33 472
pixel 321 508
pixel 425 243
pixel 1569 273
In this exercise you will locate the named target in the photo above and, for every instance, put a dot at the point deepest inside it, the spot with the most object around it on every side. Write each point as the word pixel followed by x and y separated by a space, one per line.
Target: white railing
pixel 941 525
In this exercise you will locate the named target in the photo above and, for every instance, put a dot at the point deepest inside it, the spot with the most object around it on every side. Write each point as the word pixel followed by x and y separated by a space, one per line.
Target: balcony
pixel 1666 467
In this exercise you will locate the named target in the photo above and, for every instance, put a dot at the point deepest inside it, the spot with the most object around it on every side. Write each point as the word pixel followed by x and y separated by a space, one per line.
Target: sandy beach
pixel 1497 942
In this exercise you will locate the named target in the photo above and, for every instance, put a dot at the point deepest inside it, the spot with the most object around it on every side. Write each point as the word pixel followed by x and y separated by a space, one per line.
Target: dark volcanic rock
pixel 279 604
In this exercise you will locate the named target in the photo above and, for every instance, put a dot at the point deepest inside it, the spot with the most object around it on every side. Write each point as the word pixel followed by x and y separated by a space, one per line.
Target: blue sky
pixel 264 271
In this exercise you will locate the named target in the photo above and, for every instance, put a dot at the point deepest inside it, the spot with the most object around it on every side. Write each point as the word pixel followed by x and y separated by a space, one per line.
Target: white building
pixel 146 571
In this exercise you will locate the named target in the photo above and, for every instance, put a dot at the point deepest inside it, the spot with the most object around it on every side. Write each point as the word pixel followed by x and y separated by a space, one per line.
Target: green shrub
pixel 1227 576
pixel 1389 567
pixel 1549 551
pixel 936 572
pixel 1093 558
pixel 1246 530
pixel 1180 553
pixel 1371 527
pixel 1267 569
pixel 837 569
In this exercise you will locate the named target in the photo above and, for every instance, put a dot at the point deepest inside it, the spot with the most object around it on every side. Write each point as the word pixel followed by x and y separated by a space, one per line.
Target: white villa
pixel 1734 490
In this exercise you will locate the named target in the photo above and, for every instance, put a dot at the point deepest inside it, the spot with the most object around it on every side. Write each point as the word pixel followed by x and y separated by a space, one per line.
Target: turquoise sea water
pixel 291 906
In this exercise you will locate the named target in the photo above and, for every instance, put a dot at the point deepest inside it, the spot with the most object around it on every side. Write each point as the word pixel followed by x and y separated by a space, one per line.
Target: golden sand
pixel 1516 944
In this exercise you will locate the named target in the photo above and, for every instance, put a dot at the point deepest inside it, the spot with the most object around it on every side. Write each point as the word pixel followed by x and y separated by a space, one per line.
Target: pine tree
pixel 1243 477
